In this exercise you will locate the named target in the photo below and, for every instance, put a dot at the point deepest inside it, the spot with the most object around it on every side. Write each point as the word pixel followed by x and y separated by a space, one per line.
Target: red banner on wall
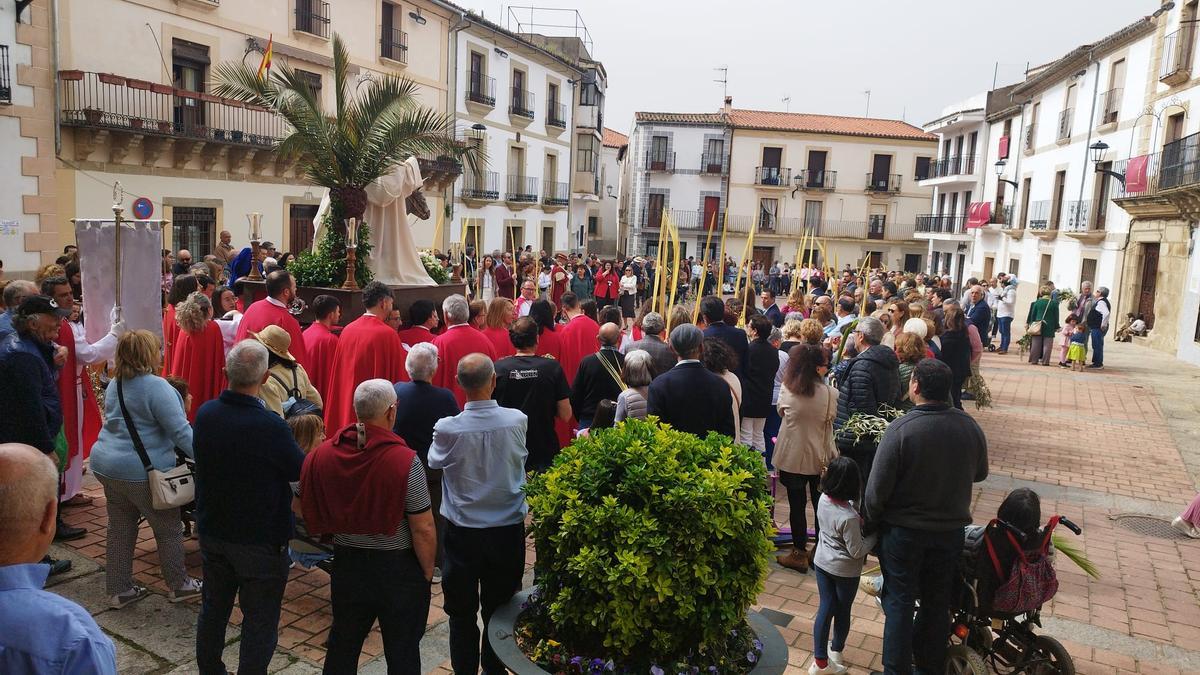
pixel 1003 147
pixel 978 214
pixel 1135 174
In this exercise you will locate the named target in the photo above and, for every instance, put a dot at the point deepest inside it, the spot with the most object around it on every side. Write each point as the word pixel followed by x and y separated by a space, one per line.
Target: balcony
pixel 828 229
pixel 1002 215
pixel 817 179
pixel 1030 142
pixel 1176 65
pixel 1039 218
pixel 521 105
pixel 312 17
pixel 1065 121
pixel 772 176
pixel 1081 225
pixel 1168 187
pixel 955 165
pixel 1110 106
pixel 522 191
pixel 5 77
pixel 713 164
pixel 556 115
pixel 480 188
pixel 660 161
pixel 555 195
pixel 481 91
pixel 393 44
pixel 934 224
pixel 883 183
pixel 683 219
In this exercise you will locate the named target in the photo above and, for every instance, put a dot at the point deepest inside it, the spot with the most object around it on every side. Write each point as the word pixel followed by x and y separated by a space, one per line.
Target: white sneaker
pixel 191 589
pixel 437 576
pixel 835 657
pixel 830 669
pixel 1185 527
pixel 128 597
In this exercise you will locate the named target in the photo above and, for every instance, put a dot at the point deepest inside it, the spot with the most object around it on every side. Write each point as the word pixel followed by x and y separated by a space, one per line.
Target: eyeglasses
pixel 185 260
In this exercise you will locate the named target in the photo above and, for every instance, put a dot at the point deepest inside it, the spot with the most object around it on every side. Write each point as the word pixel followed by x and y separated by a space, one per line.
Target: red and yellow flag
pixel 266 59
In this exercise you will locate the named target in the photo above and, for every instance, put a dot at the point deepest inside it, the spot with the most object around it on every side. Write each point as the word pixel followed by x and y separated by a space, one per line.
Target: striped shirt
pixel 416 501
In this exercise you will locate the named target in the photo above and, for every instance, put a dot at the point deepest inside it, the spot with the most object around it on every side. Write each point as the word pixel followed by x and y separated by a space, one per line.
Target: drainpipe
pixel 571 163
pixel 54 76
pixel 1086 151
pixel 452 109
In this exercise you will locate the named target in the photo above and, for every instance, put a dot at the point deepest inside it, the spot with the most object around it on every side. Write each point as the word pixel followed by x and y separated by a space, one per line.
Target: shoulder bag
pixel 1034 329
pixel 168 489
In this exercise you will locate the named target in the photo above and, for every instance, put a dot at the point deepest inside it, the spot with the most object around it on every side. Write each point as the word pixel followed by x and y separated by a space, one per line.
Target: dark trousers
pixel 483 571
pixel 917 565
pixel 434 478
pixel 770 431
pixel 256 574
pixel 369 584
pixel 795 484
pixel 837 597
pixel 1097 337
pixel 1004 324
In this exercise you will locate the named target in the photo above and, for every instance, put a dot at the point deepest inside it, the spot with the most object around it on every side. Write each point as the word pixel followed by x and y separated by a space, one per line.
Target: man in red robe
pixel 81 415
pixel 458 341
pixel 273 311
pixel 579 338
pixel 559 278
pixel 321 342
pixel 422 320
pixel 367 350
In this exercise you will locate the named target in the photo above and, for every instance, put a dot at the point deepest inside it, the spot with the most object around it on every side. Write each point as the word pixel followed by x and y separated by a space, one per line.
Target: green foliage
pixel 434 267
pixel 652 543
pixel 327 267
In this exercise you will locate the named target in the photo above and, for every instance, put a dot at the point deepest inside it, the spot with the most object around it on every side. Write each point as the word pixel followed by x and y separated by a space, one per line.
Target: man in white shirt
pixel 1006 303
pixel 528 295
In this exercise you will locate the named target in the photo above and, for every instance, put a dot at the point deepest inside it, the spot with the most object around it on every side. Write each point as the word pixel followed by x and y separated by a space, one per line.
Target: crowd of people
pixel 392 452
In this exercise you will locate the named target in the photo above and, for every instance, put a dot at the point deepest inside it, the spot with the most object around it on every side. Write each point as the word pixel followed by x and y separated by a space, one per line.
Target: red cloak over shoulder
pixel 367 349
pixel 345 490
pixel 199 358
pixel 580 337
pixel 321 344
pixel 457 342
pixel 261 314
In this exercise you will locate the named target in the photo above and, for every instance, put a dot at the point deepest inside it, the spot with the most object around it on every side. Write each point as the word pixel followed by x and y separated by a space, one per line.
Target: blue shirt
pixel 482 454
pixel 6 327
pixel 42 632
pixel 157 413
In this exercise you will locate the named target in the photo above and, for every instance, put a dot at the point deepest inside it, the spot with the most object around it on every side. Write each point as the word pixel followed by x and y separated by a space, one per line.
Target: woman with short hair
pixel 1045 310
pixel 636 374
pixel 719 359
pixel 758 380
pixel 500 313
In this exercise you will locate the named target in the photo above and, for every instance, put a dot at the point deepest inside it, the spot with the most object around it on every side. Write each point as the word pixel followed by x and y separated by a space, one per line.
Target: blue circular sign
pixel 142 208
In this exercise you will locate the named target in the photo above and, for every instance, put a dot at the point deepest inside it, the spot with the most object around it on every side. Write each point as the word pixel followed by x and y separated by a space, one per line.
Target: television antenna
pixel 724 81
pixel 787 103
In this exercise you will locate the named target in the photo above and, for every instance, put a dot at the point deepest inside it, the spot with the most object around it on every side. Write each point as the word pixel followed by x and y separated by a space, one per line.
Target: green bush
pixel 651 543
pixel 327 267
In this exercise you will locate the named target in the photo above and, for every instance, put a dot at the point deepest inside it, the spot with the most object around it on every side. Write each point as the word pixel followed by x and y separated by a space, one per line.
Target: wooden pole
pixel 746 292
pixel 712 225
pixel 659 255
pixel 674 233
pixel 437 232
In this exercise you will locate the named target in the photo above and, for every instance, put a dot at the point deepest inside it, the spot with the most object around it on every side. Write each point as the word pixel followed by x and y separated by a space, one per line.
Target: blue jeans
pixel 1004 323
pixel 257 574
pixel 1097 336
pixel 917 564
pixel 837 597
pixel 770 431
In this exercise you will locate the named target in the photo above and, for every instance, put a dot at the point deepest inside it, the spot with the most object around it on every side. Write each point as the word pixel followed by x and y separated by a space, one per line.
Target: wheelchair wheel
pixel 1052 658
pixel 962 660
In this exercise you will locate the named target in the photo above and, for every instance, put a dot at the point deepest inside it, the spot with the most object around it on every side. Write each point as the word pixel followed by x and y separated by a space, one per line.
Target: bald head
pixel 17 291
pixel 610 335
pixel 477 376
pixel 28 503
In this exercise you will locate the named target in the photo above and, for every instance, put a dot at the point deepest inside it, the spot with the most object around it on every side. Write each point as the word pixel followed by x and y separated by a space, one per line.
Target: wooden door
pixel 816 169
pixel 764 255
pixel 1148 283
pixel 989 266
pixel 711 206
pixel 300 227
pixel 654 210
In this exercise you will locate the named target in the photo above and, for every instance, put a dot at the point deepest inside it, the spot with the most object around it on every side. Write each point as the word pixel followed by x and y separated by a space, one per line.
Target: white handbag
pixel 168 489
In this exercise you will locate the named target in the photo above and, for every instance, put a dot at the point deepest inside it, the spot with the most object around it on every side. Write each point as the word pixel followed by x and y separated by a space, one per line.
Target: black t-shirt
pixel 534 385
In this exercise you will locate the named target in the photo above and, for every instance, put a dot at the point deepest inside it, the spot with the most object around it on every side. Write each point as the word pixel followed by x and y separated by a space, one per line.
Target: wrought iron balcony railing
pixel 818 179
pixel 660 160
pixel 5 76
pixel 555 193
pixel 1066 120
pixel 481 88
pixel 556 115
pixel 481 187
pixel 1110 106
pixel 941 223
pixel 1177 55
pixel 712 163
pixel 312 17
pixel 521 189
pixel 955 165
pixel 393 44
pixel 883 182
pixel 772 176
pixel 522 103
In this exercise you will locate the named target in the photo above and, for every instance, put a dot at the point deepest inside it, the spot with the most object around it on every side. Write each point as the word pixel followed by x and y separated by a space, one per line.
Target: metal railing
pixel 942 223
pixel 104 100
pixel 393 44
pixel 1180 163
pixel 481 187
pixel 952 166
pixel 5 77
pixel 554 193
pixel 712 163
pixel 521 189
pixel 1177 53
pixel 312 17
pixel 1110 106
pixel 657 160
pixel 682 219
pixel 522 103
pixel 883 182
pixel 836 229
pixel 1039 215
pixel 556 115
pixel 1065 120
pixel 1030 142
pixel 1076 218
pixel 1121 190
pixel 1003 215
pixel 772 176
pixel 818 179
pixel 481 88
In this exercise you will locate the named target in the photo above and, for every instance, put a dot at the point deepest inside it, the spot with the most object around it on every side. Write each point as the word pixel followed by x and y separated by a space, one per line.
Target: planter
pixel 502 628
pixel 92 115
pixel 70 75
pixel 351 301
pixel 164 127
pixel 109 78
pixel 135 122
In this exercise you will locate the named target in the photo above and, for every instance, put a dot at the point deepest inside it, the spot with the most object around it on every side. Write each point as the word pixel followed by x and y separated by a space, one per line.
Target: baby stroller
pixel 1006 575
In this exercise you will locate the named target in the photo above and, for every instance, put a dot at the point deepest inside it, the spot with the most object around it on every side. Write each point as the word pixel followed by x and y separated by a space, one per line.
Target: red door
pixel 711 206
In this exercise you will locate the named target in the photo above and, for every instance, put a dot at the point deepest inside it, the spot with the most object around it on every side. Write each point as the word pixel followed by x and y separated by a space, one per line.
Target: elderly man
pixel 40 632
pixel 977 310
pixel 367 488
pixel 1082 304
pixel 29 393
pixel 871 381
pixel 183 261
pixel 919 498
pixel 481 452
pixel 662 358
pixel 1097 323
pixel 246 459
pixel 273 311
pixel 225 250
pixel 368 349
pixel 845 311
pixel 14 293
pixel 689 397
pixel 593 382
pixel 458 341
pixel 528 295
pixel 536 386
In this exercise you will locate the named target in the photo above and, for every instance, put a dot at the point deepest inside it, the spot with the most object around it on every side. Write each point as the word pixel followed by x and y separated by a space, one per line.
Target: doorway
pixel 1148 283
pixel 654 210
pixel 711 206
pixel 764 255
pixel 548 238
pixel 912 262
pixel 300 227
pixel 1044 271
pixel 989 266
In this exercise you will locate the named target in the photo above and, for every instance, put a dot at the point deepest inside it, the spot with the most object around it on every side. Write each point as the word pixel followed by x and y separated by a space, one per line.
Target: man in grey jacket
pixel 662 358
pixel 919 499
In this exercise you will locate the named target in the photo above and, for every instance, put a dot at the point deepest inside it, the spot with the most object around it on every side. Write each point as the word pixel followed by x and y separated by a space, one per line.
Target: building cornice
pixel 1083 55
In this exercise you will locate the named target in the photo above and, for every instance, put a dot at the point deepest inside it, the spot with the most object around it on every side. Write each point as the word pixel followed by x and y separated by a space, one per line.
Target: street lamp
pixel 1099 148
pixel 798 179
pixel 1000 174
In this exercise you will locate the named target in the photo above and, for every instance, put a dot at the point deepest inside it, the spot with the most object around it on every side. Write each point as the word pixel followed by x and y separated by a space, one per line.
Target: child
pixel 837 562
pixel 181 386
pixel 1068 332
pixel 309 432
pixel 1077 352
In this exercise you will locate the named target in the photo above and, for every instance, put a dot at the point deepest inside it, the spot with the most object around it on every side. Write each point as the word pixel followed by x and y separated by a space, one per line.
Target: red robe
pixel 77 447
pixel 500 342
pixel 367 349
pixel 321 344
pixel 550 343
pixel 199 358
pixel 416 335
pixel 580 337
pixel 457 342
pixel 170 331
pixel 558 286
pixel 261 314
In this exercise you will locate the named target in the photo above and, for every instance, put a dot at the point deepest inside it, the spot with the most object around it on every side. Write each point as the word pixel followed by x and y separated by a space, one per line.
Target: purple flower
pixel 655 670
pixel 758 644
pixel 751 657
pixel 576 660
pixel 712 669
pixel 733 632
pixel 609 665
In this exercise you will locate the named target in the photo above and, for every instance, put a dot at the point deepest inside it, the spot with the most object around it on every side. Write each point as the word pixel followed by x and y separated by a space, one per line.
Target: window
pixel 189 65
pixel 658 153
pixel 589 94
pixel 393 42
pixel 313 80
pixel 312 17
pixel 713 160
pixel 300 226
pixel 876 225
pixel 193 228
pixel 768 212
pixel 921 171
pixel 812 213
pixel 1014 266
pixel 816 175
pixel 593 225
pixel 1060 193
pixel 586 154
pixel 1087 271
pixel 654 209
pixel 1111 105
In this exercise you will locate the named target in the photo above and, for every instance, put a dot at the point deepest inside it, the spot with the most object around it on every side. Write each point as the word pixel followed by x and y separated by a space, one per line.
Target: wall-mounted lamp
pixel 417 18
pixel 610 192
pixel 1167 6
pixel 1000 174
pixel 1099 149
pixel 798 179
pixel 502 54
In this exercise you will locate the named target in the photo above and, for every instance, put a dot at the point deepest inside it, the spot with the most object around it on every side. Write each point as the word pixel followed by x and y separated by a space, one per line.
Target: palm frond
pixel 341 68
pixel 1075 555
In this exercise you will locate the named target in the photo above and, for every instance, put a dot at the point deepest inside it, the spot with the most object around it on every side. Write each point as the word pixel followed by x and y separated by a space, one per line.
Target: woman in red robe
pixel 559 278
pixel 499 318
pixel 199 353
pixel 367 349
pixel 184 285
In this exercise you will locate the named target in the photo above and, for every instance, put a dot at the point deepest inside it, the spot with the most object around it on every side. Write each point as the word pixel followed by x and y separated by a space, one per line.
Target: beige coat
pixel 273 394
pixel 805 441
pixel 735 391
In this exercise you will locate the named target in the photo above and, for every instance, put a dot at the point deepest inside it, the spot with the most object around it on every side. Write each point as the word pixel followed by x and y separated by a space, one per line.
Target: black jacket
pixel 691 399
pixel 734 337
pixel 980 315
pixel 31 410
pixel 775 315
pixel 956 353
pixel 758 378
pixel 871 381
pixel 593 383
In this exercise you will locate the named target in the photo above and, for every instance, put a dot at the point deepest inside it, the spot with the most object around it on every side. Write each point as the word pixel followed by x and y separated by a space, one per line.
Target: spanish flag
pixel 266 59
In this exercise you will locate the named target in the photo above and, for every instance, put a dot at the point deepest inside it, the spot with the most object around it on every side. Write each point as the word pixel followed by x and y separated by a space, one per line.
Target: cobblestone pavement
pixel 1095 445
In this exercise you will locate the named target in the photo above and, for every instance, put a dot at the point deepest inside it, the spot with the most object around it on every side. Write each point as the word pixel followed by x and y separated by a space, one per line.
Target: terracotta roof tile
pixel 680 118
pixel 827 124
pixel 614 138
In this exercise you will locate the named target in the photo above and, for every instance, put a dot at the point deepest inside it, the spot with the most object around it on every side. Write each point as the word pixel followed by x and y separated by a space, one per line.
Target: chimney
pixel 728 105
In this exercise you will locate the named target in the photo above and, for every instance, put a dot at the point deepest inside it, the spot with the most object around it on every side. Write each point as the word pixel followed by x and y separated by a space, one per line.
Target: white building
pixel 604 230
pixel 513 97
